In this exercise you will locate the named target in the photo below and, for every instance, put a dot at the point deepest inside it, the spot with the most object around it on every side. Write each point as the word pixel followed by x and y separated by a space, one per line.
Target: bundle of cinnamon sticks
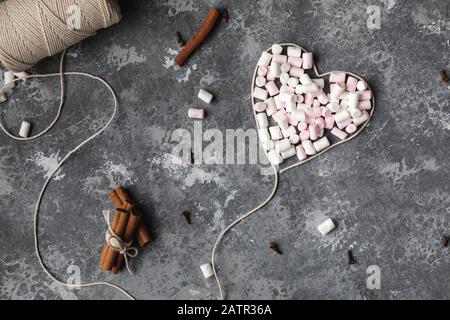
pixel 128 225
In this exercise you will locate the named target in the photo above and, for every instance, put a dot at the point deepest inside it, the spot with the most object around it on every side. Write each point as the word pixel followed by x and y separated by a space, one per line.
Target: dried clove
pixel 187 216
pixel 180 39
pixel 225 15
pixel 443 76
pixel 349 257
pixel 444 240
pixel 274 247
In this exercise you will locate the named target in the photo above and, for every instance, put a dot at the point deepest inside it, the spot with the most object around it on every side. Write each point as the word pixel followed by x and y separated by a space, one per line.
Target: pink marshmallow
pixel 316 112
pixel 365 95
pixel 320 122
pixel 304 135
pixel 302 126
pixel 262 71
pixel 351 128
pixel 329 122
pixel 285 88
pixel 309 99
pixel 300 98
pixel 301 154
pixel 313 132
pixel 365 105
pixel 270 77
pixel 279 58
pixel 260 107
pixel 196 113
pixel 278 103
pixel 343 124
pixel 308 60
pixel 296 72
pixel 309 120
pixel 272 88
pixel 295 61
pixel 339 133
pixel 351 84
pixel 336 91
pixel 316 103
pixel 325 112
pixel 337 77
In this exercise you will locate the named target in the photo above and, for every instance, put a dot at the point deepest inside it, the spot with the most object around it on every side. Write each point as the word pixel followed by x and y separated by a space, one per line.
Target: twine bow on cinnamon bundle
pixel 125 227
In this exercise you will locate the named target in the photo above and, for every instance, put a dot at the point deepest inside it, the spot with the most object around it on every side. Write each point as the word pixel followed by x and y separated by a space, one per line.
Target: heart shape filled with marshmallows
pixel 300 113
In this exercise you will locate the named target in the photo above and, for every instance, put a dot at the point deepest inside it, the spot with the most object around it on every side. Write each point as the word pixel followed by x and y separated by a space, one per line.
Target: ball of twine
pixel 31 30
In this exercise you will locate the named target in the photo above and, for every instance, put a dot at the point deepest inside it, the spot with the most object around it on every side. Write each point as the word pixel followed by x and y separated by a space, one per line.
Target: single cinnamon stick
pixel 130 232
pixel 105 248
pixel 111 256
pixel 202 32
pixel 121 199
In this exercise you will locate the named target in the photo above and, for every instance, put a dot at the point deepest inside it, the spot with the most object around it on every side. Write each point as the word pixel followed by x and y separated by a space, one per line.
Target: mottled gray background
pixel 388 189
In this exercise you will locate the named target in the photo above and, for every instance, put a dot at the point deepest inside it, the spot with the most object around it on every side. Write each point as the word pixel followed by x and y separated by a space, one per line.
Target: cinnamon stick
pixel 202 32
pixel 105 248
pixel 111 256
pixel 121 199
pixel 130 232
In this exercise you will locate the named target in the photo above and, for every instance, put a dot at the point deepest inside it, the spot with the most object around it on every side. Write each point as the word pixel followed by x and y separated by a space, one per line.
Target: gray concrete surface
pixel 388 190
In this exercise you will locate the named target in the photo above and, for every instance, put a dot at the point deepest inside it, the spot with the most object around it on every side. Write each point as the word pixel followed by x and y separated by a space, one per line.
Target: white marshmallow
pixel 309 147
pixel 268 145
pixel 207 270
pixel 286 96
pixel 25 129
pixel 305 79
pixel 275 69
pixel 284 78
pixel 285 67
pixel 274 157
pixel 264 134
pixel 293 82
pixel 294 139
pixel 289 132
pixel 299 115
pixel 319 82
pixel 9 79
pixel 271 107
pixel 205 96
pixel 277 49
pixel 326 227
pixel 333 107
pixel 262 120
pixel 361 86
pixel 260 93
pixel 355 112
pixel 341 116
pixel 321 144
pixel 275 133
pixel 260 81
pixel 294 52
pixel 289 153
pixel 353 99
pixel 282 121
pixel 265 59
pixel 360 120
pixel 282 145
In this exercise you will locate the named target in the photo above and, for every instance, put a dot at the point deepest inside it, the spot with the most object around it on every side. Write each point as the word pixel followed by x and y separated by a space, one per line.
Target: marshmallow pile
pixel 293 111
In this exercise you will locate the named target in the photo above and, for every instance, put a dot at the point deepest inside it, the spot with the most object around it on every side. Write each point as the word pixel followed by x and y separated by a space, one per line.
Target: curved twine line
pixel 276 172
pixel 61 74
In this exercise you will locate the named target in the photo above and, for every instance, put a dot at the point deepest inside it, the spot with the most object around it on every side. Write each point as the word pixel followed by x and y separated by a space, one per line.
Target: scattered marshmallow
pixel 274 157
pixel 275 133
pixel 260 107
pixel 196 113
pixel 25 129
pixel 339 133
pixel 279 58
pixel 337 77
pixel 207 270
pixel 205 96
pixel 285 67
pixel 9 78
pixel 326 227
pixel 308 60
pixel 309 147
pixel 262 120
pixel 289 153
pixel 361 86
